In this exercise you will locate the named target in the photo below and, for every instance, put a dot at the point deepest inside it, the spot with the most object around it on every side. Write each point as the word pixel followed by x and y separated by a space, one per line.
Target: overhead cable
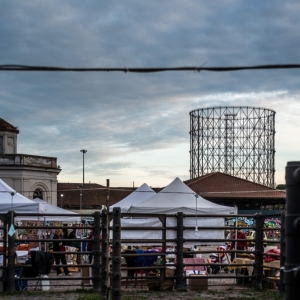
pixel 146 70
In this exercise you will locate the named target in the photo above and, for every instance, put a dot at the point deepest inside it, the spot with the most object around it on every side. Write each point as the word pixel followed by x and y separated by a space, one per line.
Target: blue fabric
pixel 139 259
pixel 83 246
pixel 149 260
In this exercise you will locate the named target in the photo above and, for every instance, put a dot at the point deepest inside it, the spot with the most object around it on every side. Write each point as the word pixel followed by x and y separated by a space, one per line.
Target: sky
pixel 135 127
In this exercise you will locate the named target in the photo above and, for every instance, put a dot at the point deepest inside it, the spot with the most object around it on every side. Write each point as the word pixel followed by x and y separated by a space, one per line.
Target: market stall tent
pixel 63 215
pixel 177 197
pixel 10 200
pixel 141 194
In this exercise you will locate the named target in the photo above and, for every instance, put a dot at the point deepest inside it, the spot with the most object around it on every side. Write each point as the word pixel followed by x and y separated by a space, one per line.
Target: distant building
pixel 229 190
pixel 30 175
pixel 216 187
pixel 93 195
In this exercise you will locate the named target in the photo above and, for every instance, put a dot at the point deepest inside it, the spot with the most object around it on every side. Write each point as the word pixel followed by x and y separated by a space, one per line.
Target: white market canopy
pixel 66 215
pixel 141 194
pixel 177 197
pixel 10 200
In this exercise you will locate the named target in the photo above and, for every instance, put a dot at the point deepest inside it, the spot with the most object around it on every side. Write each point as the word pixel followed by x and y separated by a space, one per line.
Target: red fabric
pixel 242 244
pixel 221 248
pixel 189 261
pixel 90 244
pixel 269 258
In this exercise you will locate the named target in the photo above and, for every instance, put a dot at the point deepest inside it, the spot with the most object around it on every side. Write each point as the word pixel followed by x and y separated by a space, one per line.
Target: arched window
pixel 38 194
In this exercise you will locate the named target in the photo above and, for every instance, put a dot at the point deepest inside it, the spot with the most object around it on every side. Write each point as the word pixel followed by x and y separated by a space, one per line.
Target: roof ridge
pixel 4 125
pixel 255 185
pixel 248 181
pixel 199 178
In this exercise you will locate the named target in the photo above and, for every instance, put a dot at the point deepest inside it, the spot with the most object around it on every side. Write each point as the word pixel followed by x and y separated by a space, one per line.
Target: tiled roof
pixel 210 186
pixel 5 126
pixel 220 185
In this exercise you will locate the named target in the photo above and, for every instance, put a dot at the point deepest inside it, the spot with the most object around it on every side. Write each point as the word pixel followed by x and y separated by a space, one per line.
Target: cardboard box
pixel 87 272
pixel 73 269
pixel 198 282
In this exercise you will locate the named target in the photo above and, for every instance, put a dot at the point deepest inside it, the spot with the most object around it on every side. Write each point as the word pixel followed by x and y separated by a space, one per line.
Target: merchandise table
pixel 271 269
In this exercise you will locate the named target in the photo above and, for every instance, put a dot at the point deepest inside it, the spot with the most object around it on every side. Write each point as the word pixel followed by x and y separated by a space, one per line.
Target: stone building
pixel 31 175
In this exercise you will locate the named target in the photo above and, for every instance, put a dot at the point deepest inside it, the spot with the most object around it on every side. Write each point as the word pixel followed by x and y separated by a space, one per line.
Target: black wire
pixel 146 70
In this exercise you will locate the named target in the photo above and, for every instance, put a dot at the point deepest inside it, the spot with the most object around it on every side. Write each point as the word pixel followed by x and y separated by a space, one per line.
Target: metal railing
pixel 10 241
pixel 107 266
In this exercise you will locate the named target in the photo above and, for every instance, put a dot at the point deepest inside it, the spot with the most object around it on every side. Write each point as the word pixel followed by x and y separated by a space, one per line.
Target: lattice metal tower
pixel 239 141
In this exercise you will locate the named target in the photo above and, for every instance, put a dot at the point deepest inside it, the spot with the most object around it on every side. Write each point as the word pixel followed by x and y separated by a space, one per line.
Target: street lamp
pixel 61 196
pixel 83 152
pixel 80 196
pixel 196 196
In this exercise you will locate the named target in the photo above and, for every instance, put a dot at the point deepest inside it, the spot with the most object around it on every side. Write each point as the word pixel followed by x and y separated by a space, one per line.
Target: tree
pixel 281 187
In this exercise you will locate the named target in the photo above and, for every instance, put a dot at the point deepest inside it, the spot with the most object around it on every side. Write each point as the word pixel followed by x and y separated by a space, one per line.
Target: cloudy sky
pixel 136 126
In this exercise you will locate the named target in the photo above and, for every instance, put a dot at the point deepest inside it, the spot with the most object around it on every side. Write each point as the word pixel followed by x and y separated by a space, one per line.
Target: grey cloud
pixel 116 114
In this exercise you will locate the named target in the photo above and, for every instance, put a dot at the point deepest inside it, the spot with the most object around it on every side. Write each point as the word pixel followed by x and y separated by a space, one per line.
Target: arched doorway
pixel 38 194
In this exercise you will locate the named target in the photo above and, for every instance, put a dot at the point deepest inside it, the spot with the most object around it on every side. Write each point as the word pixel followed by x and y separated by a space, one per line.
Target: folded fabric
pixel 269 258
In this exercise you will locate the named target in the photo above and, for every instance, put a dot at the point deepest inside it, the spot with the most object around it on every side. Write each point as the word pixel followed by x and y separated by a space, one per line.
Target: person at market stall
pixel 90 245
pixel 65 231
pixel 72 235
pixel 239 245
pixel 228 244
pixel 229 237
pixel 58 246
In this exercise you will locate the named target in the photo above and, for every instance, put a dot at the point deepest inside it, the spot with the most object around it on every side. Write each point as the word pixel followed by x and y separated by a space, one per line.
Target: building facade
pixel 31 175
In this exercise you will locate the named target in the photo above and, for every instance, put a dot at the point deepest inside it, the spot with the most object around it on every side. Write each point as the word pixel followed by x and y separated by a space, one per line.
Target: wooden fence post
pixel 179 261
pixel 116 255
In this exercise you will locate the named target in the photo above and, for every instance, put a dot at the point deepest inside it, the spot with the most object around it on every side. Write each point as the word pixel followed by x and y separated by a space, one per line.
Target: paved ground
pixel 229 294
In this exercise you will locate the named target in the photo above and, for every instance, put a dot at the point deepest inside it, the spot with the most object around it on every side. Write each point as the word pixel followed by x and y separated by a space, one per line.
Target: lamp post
pixel 61 196
pixel 83 152
pixel 196 196
pixel 80 197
